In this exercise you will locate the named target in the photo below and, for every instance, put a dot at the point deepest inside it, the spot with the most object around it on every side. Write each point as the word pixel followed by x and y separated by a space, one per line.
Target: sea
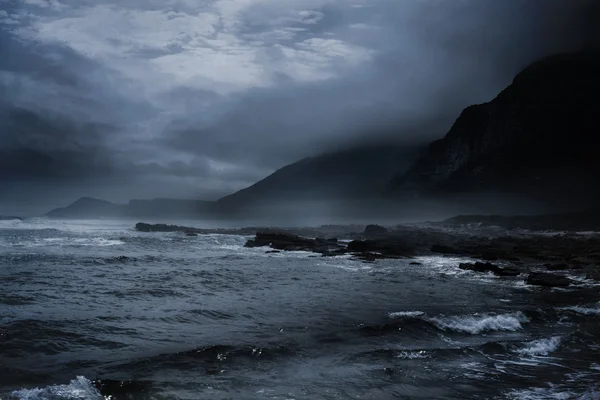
pixel 93 310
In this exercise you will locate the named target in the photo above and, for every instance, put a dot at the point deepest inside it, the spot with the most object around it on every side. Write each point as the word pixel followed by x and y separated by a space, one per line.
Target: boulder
pixel 488 267
pixel 288 242
pixel 479 267
pixel 547 280
pixel 389 248
pixel 375 230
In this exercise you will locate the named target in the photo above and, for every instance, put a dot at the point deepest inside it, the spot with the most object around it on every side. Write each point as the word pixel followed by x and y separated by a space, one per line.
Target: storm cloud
pixel 178 98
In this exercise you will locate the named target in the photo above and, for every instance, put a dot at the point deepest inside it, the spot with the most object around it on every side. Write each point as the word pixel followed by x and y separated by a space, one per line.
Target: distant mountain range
pixel 536 139
pixel 88 207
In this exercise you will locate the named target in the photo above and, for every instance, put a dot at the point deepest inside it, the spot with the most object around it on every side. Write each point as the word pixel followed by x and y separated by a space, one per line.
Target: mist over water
pixel 179 317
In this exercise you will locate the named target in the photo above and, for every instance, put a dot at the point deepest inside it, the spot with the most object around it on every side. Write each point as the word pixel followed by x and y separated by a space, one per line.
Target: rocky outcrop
pixel 547 280
pixel 588 220
pixel 389 247
pixel 488 267
pixel 375 230
pixel 288 242
pixel 536 137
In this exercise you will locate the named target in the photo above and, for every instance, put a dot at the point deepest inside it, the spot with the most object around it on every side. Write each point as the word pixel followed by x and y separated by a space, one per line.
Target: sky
pixel 122 99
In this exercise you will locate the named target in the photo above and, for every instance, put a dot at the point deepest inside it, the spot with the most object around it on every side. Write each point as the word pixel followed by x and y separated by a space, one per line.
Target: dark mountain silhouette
pixel 87 207
pixel 357 173
pixel 537 138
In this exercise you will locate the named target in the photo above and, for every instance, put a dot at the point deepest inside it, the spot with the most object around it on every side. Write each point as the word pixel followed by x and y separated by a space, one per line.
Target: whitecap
pixel 78 389
pixel 540 394
pixel 475 324
pixel 583 310
pixel 541 347
pixel 412 355
pixel 406 314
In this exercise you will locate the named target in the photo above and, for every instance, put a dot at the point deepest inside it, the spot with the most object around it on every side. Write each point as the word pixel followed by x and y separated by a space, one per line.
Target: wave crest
pixel 79 388
pixel 475 324
pixel 541 347
pixel 406 314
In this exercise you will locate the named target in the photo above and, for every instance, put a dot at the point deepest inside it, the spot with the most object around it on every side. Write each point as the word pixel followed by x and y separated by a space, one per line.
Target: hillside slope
pixel 358 173
pixel 537 138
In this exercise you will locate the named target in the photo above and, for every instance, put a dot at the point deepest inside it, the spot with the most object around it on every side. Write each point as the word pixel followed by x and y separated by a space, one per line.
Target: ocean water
pixel 165 316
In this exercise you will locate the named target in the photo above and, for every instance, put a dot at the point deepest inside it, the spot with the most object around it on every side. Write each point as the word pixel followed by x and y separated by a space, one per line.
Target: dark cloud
pixel 206 99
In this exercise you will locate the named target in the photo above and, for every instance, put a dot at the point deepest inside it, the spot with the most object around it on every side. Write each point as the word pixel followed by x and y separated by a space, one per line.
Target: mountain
pixel 356 173
pixel 537 138
pixel 88 207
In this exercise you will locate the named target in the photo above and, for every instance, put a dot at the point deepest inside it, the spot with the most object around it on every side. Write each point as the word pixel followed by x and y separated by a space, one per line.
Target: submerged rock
pixel 547 280
pixel 389 248
pixel 488 267
pixel 288 242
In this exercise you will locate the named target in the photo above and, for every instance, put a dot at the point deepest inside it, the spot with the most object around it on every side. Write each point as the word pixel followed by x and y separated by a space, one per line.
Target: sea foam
pixel 475 324
pixel 593 310
pixel 541 347
pixel 78 389
pixel 406 314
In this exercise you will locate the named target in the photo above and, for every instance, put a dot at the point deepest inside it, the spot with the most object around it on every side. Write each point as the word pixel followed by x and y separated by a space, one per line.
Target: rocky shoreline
pixel 541 258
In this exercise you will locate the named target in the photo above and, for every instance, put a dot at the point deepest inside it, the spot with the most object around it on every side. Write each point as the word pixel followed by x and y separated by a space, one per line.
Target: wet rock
pixel 368 257
pixel 389 248
pixel 191 234
pixel 547 280
pixel 479 267
pixel 375 230
pixel 488 267
pixel 288 242
pixel 415 263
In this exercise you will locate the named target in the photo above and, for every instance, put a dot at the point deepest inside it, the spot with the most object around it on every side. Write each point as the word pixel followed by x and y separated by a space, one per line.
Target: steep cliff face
pixel 538 135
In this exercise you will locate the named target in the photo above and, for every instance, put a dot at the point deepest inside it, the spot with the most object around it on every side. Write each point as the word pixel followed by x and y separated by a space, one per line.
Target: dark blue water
pixel 176 317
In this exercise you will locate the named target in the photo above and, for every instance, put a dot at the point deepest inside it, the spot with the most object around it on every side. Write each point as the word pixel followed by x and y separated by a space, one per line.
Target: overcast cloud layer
pixel 198 98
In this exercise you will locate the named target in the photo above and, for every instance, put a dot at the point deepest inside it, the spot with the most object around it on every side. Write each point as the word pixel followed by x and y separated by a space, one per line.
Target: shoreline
pixel 498 251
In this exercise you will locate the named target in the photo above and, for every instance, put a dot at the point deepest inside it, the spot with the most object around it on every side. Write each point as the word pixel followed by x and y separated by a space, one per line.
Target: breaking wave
pixel 593 310
pixel 406 314
pixel 475 324
pixel 78 389
pixel 541 347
